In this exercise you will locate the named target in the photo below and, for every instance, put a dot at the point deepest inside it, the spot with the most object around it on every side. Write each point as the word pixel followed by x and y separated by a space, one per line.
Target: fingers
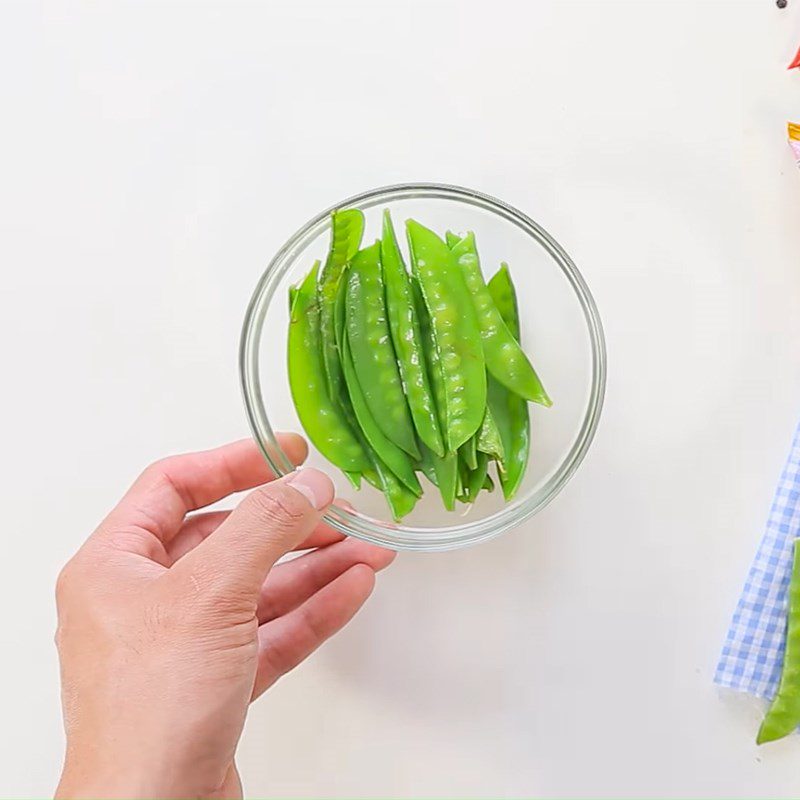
pixel 324 534
pixel 321 536
pixel 193 531
pixel 167 490
pixel 291 584
pixel 272 520
pixel 200 526
pixel 288 640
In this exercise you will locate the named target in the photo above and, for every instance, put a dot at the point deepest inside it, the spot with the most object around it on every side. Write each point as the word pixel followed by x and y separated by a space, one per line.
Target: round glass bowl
pixel 561 333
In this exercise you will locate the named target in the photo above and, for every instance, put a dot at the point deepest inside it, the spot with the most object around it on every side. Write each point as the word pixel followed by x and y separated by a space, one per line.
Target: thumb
pixel 266 525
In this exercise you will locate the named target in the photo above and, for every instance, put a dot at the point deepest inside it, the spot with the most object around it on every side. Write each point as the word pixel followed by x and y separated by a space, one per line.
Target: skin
pixel 505 359
pixel 170 625
pixel 321 418
pixel 783 716
pixel 407 340
pixel 369 337
pixel 510 412
pixel 455 332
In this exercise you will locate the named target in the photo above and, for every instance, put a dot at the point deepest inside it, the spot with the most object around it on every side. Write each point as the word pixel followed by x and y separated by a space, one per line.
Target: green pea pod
pixel 451 239
pixel 510 411
pixel 372 477
pixel 339 312
pixel 477 478
pixel 407 340
pixel 783 715
pixel 347 228
pixel 468 452
pixel 370 344
pixel 455 332
pixel 462 478
pixel 446 472
pixel 354 478
pixel 400 499
pixel 292 295
pixel 394 458
pixel 505 359
pixel 501 288
pixel 321 418
pixel 445 467
pixel 488 484
pixel 379 475
pixel 425 464
pixel 489 439
pixel 489 435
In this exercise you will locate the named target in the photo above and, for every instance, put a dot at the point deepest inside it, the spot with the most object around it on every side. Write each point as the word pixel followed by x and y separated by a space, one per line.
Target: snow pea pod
pixel 371 348
pixel 343 400
pixel 391 455
pixel 406 337
pixel 425 464
pixel 509 411
pixel 455 332
pixel 445 468
pixel 354 478
pixel 489 440
pixel 468 452
pixel 505 359
pixel 462 481
pixel 477 478
pixel 783 715
pixel 321 418
pixel 378 475
pixel 451 239
pixel 400 498
pixel 347 228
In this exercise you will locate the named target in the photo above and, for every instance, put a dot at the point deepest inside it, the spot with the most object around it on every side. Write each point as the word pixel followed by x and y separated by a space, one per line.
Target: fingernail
pixel 314 485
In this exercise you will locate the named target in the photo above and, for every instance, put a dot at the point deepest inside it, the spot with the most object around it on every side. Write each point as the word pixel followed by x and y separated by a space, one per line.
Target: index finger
pixel 170 488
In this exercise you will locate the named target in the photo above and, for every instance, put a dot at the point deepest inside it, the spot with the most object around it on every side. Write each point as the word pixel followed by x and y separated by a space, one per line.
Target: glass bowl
pixel 561 332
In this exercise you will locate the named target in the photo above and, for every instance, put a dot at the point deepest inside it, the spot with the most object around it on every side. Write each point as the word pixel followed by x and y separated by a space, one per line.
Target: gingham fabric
pixel 753 652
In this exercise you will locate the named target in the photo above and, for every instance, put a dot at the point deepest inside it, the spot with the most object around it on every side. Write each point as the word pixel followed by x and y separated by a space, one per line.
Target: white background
pixel 153 156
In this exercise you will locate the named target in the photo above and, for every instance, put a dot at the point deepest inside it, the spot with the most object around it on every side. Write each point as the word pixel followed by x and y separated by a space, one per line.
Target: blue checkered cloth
pixel 752 656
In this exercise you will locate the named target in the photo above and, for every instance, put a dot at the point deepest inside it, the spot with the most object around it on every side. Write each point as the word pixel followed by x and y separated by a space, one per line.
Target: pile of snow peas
pixel 395 372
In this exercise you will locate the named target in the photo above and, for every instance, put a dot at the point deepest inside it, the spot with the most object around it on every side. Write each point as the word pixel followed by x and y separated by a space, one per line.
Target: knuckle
pixel 64 580
pixel 157 473
pixel 155 470
pixel 278 506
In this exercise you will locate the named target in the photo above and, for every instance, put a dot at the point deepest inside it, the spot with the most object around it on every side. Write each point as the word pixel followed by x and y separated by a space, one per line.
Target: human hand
pixel 169 626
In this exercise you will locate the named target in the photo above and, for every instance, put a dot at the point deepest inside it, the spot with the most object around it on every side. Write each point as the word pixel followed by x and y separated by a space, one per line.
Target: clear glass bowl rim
pixel 399 536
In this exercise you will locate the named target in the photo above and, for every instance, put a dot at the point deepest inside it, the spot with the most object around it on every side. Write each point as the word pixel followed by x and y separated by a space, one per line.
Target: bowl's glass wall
pixel 560 331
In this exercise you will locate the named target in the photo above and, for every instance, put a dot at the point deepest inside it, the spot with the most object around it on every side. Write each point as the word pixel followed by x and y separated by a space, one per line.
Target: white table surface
pixel 153 155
